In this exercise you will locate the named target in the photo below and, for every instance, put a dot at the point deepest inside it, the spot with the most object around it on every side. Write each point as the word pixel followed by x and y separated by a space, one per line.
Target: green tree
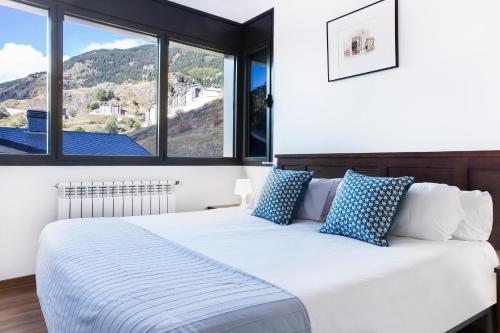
pixel 92 106
pixel 132 123
pixel 206 76
pixel 102 95
pixel 111 126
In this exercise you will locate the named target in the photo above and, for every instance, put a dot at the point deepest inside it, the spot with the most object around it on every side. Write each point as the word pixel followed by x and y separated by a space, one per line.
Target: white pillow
pixel 319 194
pixel 478 221
pixel 429 211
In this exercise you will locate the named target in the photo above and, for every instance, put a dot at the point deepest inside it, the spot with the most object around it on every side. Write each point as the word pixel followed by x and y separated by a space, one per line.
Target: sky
pixel 259 75
pixel 23 42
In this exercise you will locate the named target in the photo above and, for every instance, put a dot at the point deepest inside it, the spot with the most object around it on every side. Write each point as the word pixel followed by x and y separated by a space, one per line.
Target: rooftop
pixel 33 140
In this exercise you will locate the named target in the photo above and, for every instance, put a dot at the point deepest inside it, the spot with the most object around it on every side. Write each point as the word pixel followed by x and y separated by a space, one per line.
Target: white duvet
pixel 345 285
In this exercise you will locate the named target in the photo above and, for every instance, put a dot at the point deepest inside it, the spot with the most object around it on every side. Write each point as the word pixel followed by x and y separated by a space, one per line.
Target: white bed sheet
pixel 345 285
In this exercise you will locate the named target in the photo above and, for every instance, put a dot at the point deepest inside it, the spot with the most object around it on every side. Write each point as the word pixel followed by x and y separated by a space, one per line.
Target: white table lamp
pixel 243 187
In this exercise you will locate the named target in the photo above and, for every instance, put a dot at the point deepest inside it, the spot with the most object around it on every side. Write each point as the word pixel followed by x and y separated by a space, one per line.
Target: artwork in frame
pixel 363 41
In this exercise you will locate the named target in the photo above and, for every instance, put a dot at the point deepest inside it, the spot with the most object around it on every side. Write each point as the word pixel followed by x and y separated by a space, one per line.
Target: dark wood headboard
pixel 478 170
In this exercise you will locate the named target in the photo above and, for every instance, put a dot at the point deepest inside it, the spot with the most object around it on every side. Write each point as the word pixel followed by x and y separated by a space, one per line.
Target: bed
pixel 265 277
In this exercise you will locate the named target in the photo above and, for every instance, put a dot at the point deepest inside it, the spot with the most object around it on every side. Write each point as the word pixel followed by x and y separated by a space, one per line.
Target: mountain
pixel 114 66
pixel 120 66
pixel 25 88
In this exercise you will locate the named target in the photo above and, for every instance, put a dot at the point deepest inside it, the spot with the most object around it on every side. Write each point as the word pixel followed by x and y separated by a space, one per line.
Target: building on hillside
pixel 109 110
pixel 194 97
pixel 151 116
pixel 33 140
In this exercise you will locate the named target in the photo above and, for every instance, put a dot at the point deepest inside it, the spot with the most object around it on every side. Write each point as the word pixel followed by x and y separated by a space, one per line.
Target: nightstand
pixel 222 206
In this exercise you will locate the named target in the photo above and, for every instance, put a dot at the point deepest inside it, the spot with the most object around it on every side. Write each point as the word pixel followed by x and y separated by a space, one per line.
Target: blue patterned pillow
pixel 282 194
pixel 364 207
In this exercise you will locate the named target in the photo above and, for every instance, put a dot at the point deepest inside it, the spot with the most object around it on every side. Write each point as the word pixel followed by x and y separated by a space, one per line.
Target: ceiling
pixel 235 10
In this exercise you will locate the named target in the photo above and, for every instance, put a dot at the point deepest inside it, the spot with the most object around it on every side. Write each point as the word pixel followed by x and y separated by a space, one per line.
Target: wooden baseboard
pixel 17 282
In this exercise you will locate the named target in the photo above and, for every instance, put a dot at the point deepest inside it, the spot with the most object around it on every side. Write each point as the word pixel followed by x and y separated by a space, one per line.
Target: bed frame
pixel 471 170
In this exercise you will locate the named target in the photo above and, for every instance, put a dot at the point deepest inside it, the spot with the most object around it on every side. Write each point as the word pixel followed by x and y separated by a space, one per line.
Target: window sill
pixel 44 160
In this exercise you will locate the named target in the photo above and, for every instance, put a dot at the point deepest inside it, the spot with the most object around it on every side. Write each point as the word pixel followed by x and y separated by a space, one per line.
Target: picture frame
pixel 363 41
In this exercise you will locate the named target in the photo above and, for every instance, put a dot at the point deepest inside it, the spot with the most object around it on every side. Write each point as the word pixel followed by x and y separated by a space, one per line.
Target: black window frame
pixel 57 10
pixel 40 159
pixel 268 158
pixel 258 35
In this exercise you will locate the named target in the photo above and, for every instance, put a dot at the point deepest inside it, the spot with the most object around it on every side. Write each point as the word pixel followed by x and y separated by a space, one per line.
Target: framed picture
pixel 363 41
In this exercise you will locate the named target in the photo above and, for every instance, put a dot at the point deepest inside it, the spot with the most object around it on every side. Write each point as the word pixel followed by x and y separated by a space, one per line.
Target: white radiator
pixel 116 198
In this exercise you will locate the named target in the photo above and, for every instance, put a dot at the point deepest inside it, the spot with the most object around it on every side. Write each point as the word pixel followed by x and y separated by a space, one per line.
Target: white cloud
pixel 125 43
pixel 66 57
pixel 19 60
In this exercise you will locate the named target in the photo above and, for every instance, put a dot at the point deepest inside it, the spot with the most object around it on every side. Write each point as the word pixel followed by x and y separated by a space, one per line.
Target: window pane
pixel 23 79
pixel 201 103
pixel 110 91
pixel 257 115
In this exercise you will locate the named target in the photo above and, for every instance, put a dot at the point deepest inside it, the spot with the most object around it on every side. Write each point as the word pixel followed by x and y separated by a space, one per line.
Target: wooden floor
pixel 20 311
pixel 19 308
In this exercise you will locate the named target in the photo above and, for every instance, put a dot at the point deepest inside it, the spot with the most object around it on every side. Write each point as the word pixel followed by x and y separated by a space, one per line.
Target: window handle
pixel 269 101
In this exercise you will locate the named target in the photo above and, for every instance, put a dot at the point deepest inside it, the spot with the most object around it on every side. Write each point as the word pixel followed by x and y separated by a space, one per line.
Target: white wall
pixel 28 201
pixel 444 96
pixel 257 174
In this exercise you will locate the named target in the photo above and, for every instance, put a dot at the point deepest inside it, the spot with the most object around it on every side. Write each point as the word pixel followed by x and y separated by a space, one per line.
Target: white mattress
pixel 346 285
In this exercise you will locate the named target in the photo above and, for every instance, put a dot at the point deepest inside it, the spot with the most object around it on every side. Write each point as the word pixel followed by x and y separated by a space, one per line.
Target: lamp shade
pixel 243 187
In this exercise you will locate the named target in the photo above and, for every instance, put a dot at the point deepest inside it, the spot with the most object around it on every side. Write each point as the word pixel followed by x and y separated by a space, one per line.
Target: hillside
pixel 89 69
pixel 202 128
pixel 119 67
pixel 29 87
pixel 113 66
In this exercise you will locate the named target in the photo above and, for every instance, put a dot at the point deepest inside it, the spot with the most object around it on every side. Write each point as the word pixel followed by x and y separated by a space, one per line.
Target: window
pixel 23 79
pixel 109 91
pixel 259 103
pixel 83 86
pixel 200 103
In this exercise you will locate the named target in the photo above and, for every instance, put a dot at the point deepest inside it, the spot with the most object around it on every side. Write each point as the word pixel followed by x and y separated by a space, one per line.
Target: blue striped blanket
pixel 112 276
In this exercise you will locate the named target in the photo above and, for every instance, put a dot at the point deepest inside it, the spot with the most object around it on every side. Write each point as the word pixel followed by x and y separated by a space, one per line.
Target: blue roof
pixel 74 143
